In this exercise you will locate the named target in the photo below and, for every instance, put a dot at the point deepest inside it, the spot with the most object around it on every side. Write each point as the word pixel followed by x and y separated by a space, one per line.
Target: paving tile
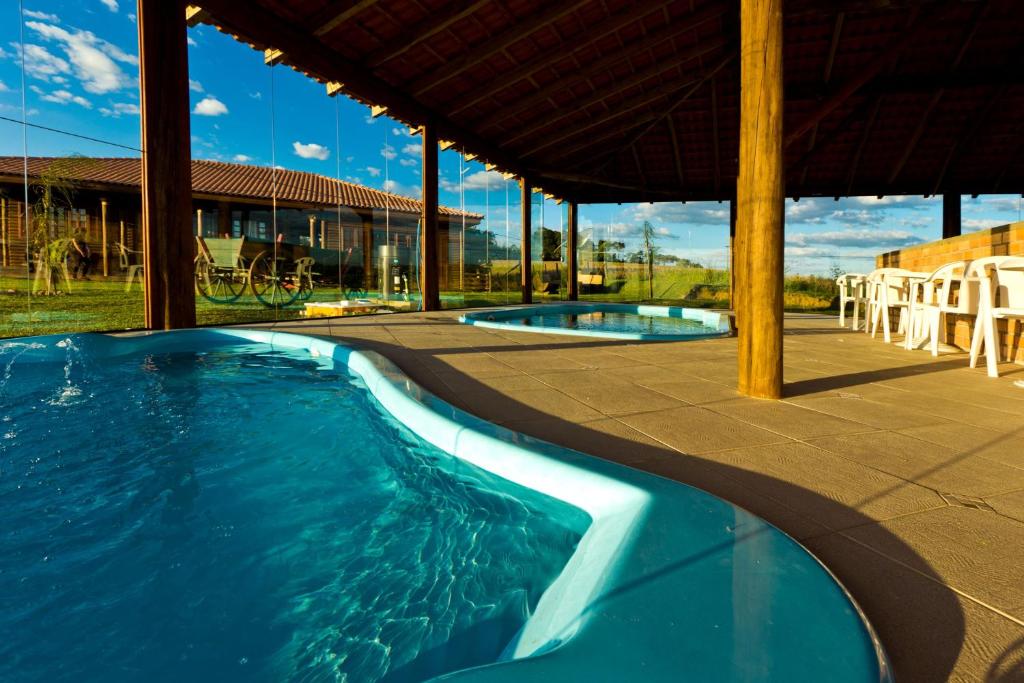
pixel 975 551
pixel 1006 447
pixel 696 391
pixel 945 470
pixel 871 413
pixel 692 429
pixel 605 438
pixel 606 393
pixel 833 491
pixel 1009 504
pixel 532 404
pixel 534 362
pixel 785 418
pixel 928 631
pixel 460 382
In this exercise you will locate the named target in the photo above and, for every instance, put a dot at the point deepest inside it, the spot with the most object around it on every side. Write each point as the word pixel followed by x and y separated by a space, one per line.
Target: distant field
pixel 100 304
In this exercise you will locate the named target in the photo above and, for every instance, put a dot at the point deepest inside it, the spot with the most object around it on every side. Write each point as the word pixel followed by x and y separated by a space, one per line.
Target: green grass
pixel 103 305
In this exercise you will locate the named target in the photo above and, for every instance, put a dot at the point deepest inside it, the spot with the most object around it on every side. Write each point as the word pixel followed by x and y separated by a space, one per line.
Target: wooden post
pixel 323 234
pixel 3 231
pixel 199 222
pixel 760 200
pixel 573 265
pixel 429 280
pixel 223 219
pixel 168 244
pixel 732 252
pixel 312 231
pixel 367 250
pixel 123 243
pixel 526 247
pixel 103 238
pixel 950 215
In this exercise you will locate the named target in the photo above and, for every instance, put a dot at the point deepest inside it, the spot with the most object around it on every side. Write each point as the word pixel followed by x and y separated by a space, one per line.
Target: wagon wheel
pixel 270 285
pixel 216 285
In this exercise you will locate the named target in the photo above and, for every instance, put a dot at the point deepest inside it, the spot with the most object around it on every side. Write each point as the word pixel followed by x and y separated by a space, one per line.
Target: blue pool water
pixel 617 321
pixel 613 321
pixel 248 514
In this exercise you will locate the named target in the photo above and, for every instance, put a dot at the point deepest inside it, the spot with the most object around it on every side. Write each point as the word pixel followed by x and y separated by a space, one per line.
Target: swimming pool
pixel 228 504
pixel 607 320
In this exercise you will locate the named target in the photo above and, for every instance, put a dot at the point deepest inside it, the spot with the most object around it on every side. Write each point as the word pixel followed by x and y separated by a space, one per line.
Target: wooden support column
pixel 312 231
pixel 367 250
pixel 526 244
pixel 429 279
pixel 732 252
pixel 168 243
pixel 950 214
pixel 103 238
pixel 323 234
pixel 3 232
pixel 573 263
pixel 223 219
pixel 199 222
pixel 123 243
pixel 760 200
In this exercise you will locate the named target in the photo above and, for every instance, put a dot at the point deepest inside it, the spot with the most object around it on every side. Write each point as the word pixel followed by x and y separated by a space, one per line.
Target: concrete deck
pixel 904 473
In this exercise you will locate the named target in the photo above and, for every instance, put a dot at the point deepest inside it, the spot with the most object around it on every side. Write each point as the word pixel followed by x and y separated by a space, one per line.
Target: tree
pixel 650 251
pixel 54 190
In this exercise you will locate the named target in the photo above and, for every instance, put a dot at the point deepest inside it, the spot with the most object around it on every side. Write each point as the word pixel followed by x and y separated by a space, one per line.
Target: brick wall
pixel 1004 240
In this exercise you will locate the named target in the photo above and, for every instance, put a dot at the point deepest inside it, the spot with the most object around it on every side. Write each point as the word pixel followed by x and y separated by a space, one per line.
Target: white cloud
pixel 192 41
pixel 241 158
pixel 94 59
pixel 311 150
pixel 413 148
pixel 388 152
pixel 110 5
pixel 397 132
pixel 854 238
pixel 41 15
pixel 210 106
pixel 131 17
pixel 396 187
pixel 42 64
pixel 119 108
pixel 3 87
pixel 369 120
pixel 195 86
pixel 256 95
pixel 61 97
pixel 698 213
pixel 408 163
pixel 373 171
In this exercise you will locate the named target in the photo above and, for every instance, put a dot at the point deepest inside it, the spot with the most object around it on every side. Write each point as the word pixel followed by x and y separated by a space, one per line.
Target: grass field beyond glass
pixel 102 304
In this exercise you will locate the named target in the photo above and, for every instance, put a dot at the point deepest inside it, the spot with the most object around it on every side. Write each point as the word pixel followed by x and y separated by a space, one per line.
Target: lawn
pixel 103 305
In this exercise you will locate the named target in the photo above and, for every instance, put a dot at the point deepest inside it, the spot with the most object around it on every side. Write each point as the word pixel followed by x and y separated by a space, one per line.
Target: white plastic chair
pixel 891 289
pixel 1000 297
pixel 937 299
pixel 851 289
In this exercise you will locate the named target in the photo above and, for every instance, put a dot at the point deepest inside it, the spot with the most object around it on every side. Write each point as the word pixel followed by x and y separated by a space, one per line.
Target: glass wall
pixel 669 253
pixel 70 244
pixel 548 250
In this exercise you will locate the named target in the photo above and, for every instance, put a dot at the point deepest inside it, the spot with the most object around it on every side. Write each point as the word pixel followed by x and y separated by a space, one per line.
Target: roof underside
pixel 618 100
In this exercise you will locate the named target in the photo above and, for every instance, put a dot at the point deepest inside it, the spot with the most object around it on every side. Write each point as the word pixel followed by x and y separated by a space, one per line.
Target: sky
pixel 81 79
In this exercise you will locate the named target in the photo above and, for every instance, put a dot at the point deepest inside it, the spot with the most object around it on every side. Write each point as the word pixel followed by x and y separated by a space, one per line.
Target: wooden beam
pixel 859 151
pixel 895 47
pixel 570 251
pixel 732 253
pixel 964 141
pixel 428 220
pixel 526 243
pixel 601 95
pixel 168 245
pixel 195 15
pixel 837 31
pixel 676 151
pixel 259 26
pixel 334 88
pixel 950 214
pixel 538 142
pixel 760 198
pixel 272 56
pixel 377 110
pixel 922 125
pixel 714 134
pixel 544 59
pixel 420 32
pixel 335 14
pixel 103 238
pixel 639 165
pixel 495 44
pixel 583 178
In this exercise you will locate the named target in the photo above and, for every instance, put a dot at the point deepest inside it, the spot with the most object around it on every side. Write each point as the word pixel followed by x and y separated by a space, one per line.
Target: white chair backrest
pixel 849 283
pixel 944 276
pixel 1009 282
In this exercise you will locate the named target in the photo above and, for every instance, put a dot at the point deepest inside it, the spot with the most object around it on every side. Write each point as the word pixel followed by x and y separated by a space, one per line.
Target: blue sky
pixel 82 78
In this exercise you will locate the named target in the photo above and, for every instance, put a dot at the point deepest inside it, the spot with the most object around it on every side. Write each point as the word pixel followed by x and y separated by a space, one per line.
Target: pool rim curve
pixel 718 322
pixel 619 499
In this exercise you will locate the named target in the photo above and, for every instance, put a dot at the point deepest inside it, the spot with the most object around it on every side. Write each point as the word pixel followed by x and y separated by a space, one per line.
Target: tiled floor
pixel 904 473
